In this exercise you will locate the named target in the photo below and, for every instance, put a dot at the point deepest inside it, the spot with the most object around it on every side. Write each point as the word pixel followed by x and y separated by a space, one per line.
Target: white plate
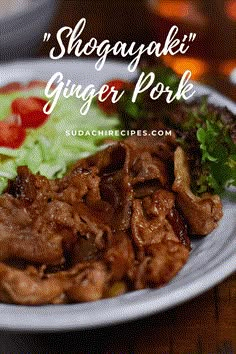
pixel 211 260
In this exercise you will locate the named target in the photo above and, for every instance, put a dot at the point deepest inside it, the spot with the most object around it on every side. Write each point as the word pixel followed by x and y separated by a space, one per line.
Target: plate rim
pixel 131 311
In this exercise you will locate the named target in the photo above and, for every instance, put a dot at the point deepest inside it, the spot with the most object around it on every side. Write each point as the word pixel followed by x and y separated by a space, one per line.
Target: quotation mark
pixel 192 36
pixel 46 37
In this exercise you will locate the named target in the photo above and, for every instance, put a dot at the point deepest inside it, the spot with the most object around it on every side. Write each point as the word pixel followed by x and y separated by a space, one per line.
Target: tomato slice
pixel 36 84
pixel 30 110
pixel 12 87
pixel 108 106
pixel 17 86
pixel 11 135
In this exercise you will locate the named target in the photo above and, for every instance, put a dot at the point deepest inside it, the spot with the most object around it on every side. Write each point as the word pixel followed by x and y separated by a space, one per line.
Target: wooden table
pixel 204 325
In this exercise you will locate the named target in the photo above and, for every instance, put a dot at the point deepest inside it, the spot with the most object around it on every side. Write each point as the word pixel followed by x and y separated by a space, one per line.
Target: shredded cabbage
pixel 47 150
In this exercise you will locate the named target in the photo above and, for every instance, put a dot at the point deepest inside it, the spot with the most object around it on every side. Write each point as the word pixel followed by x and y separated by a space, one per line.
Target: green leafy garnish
pixel 218 151
pixel 144 108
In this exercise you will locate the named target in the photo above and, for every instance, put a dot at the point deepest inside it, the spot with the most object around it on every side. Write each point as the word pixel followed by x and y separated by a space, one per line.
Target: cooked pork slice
pixel 89 284
pixel 162 261
pixel 120 256
pixel 90 227
pixel 19 287
pixel 114 187
pixel 32 190
pixel 86 281
pixel 149 219
pixel 147 168
pixel 23 237
pixel 80 184
pixel 125 169
pixel 162 252
pixel 202 213
pixel 162 147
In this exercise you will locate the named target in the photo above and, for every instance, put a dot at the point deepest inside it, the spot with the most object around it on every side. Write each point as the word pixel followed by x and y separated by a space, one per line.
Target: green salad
pixel 48 150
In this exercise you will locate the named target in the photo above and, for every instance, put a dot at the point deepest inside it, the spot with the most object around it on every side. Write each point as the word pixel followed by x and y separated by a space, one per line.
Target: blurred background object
pixel 22 25
pixel 212 56
pixel 10 7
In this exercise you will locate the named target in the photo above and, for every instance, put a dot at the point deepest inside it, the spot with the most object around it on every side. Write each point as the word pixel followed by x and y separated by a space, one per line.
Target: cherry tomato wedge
pixel 12 87
pixel 108 106
pixel 36 84
pixel 11 135
pixel 30 110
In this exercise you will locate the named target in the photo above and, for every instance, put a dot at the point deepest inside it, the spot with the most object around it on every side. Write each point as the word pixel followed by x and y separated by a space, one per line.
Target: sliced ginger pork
pixel 113 222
